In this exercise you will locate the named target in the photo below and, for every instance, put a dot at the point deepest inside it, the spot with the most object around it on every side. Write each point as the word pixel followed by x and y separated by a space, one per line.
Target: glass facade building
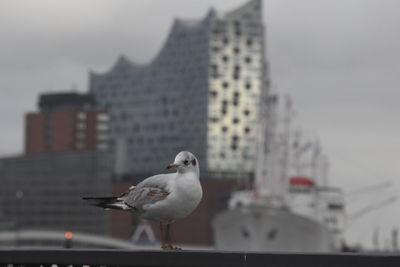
pixel 200 93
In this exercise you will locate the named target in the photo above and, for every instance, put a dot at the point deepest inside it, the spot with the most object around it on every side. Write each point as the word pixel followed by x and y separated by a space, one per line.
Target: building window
pixel 236 98
pixel 225 40
pixel 224 107
pixel 81 115
pixel 102 117
pixel 81 126
pixel 246 112
pixel 248 86
pixel 80 135
pixel 236 50
pixel 225 58
pixel 247 130
pixel 213 93
pixel 249 41
pixel 214 70
pixel 102 146
pixel 175 112
pixel 225 84
pixel 224 129
pixel 102 127
pixel 235 120
pixel 102 136
pixel 136 128
pixel 214 119
pixel 80 145
pixel 247 60
pixel 131 141
pixel 164 100
pixel 123 116
pixel 235 141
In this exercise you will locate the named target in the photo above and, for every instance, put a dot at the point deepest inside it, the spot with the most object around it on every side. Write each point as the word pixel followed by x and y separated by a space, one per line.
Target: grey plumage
pixel 149 191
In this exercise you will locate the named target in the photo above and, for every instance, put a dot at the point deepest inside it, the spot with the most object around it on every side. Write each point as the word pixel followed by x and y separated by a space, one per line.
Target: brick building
pixel 66 122
pixel 66 158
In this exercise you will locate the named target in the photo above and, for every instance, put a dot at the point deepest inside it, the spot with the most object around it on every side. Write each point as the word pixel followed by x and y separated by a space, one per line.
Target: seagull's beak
pixel 172 166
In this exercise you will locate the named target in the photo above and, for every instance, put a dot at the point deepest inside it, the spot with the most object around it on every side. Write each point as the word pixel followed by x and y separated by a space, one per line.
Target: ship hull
pixel 269 229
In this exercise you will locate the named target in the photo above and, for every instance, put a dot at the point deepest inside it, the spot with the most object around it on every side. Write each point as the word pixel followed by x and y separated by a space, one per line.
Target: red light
pixel 68 235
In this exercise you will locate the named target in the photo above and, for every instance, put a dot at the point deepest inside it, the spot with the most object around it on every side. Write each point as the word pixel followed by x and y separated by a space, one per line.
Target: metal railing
pixel 153 258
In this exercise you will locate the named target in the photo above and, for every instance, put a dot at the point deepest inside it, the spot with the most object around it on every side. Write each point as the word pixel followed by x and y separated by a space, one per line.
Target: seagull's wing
pixel 149 191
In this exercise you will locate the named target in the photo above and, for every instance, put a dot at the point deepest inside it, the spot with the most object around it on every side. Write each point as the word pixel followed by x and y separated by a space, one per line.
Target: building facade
pixel 66 122
pixel 45 190
pixel 66 158
pixel 201 93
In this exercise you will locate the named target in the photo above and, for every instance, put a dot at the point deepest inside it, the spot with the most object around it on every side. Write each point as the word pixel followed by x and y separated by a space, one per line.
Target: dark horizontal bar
pixel 145 258
pixel 153 258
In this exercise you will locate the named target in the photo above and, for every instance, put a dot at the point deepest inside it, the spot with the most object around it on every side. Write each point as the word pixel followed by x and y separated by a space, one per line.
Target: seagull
pixel 163 198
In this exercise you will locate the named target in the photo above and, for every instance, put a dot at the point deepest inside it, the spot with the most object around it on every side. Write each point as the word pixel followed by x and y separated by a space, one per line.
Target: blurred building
pixel 66 158
pixel 66 122
pixel 44 191
pixel 200 93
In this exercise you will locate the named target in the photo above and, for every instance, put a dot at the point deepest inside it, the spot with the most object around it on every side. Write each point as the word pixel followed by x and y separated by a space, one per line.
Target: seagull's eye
pixel 186 162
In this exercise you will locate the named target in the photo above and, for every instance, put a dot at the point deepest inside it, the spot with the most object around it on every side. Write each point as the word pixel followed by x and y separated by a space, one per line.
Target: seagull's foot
pixel 170 247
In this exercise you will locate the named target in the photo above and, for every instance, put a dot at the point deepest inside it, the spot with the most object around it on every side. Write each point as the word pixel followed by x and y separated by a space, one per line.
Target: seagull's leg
pixel 168 238
pixel 163 245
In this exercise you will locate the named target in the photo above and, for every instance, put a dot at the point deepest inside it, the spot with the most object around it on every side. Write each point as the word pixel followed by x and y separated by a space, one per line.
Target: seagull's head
pixel 185 162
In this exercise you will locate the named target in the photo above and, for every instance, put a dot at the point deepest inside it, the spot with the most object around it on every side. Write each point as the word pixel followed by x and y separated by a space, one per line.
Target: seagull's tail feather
pixel 108 202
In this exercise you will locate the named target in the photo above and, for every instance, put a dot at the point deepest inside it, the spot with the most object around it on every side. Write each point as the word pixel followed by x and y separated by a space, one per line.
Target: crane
pixel 369 188
pixel 356 215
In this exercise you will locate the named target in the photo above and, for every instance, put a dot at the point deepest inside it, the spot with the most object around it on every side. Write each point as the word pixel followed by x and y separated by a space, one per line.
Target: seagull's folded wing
pixel 149 191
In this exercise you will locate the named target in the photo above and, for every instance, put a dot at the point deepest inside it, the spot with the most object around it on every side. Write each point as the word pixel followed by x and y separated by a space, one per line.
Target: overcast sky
pixel 339 60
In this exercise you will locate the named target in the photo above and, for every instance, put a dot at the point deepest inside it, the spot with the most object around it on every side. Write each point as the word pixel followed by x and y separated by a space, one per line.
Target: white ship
pixel 290 207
